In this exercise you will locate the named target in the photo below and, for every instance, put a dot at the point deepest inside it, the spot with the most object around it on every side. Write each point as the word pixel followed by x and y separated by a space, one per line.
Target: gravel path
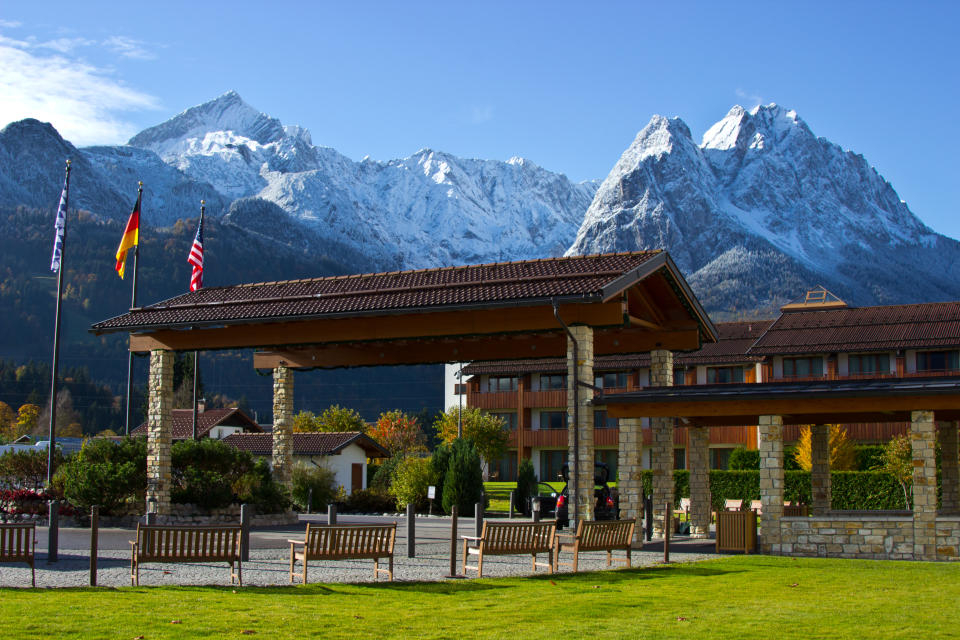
pixel 269 563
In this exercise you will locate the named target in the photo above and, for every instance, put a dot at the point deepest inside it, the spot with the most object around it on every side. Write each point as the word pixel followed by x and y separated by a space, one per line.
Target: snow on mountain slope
pixel 430 209
pixel 761 188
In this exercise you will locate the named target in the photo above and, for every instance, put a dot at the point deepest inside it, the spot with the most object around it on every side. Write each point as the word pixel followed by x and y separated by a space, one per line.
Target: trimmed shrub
pixel 211 474
pixel 319 484
pixel 370 501
pixel 742 485
pixel 869 457
pixel 526 485
pixel 463 484
pixel 26 469
pixel 744 460
pixel 866 490
pixel 410 481
pixel 112 475
pixel 681 483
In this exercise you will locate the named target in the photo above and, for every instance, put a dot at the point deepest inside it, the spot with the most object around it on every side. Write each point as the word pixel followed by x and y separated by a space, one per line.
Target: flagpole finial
pixel 69 161
pixel 203 202
pixel 140 184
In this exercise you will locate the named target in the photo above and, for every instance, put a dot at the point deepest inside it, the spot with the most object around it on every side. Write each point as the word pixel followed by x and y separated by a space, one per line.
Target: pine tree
pixel 463 485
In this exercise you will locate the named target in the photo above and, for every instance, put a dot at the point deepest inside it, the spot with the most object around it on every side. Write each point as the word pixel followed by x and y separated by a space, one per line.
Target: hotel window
pixel 861 363
pixel 553 420
pixel 509 419
pixel 802 368
pixel 459 389
pixel 552 382
pixel 679 458
pixel 602 421
pixel 720 458
pixel 937 360
pixel 611 380
pixel 502 384
pixel 720 375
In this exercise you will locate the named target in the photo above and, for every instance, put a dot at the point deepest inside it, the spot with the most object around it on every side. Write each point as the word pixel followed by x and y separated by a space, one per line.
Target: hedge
pixel 851 490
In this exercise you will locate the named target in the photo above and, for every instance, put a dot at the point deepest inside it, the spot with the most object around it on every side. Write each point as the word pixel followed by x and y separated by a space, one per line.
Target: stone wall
pixel 875 536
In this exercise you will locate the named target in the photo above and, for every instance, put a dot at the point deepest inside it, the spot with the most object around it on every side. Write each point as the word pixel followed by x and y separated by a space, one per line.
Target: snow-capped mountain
pixel 761 209
pixel 429 209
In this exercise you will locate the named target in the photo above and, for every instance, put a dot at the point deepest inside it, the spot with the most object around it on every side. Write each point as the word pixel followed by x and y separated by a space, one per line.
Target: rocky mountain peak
pixel 227 115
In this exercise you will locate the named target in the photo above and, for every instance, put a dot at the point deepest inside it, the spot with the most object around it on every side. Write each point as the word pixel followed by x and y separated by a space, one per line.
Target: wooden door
pixel 356 476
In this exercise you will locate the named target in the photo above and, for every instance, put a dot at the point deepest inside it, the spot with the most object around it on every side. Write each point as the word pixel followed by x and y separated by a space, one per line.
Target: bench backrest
pixel 518 537
pixel 731 504
pixel 598 535
pixel 345 540
pixel 159 542
pixel 16 542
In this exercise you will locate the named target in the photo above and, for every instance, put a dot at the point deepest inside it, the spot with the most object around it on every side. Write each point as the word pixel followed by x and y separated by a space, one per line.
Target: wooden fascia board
pixel 797 407
pixel 468 348
pixel 519 319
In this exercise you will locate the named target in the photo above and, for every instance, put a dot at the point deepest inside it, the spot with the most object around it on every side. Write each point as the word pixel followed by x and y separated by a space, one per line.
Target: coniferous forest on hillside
pixel 94 368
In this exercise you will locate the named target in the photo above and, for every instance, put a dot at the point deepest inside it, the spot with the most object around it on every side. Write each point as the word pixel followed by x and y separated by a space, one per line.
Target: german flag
pixel 131 237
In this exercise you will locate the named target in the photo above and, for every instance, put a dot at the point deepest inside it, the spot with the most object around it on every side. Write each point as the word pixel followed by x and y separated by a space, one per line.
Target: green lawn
pixel 741 597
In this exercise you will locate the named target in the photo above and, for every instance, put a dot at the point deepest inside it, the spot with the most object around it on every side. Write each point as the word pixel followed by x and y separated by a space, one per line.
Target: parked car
pixel 606 502
pixel 548 496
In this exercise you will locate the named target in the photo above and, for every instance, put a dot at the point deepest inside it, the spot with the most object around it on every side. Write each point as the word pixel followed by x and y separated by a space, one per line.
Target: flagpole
pixel 56 338
pixel 53 530
pixel 133 304
pixel 196 358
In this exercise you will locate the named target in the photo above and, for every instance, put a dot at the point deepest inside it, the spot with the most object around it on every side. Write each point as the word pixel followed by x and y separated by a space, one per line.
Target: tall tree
pixel 843 455
pixel 399 433
pixel 333 419
pixel 487 432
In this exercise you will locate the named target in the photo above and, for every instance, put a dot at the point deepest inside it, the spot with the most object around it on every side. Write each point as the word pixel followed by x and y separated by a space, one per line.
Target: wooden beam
pixel 397 327
pixel 640 322
pixel 358 354
pixel 610 341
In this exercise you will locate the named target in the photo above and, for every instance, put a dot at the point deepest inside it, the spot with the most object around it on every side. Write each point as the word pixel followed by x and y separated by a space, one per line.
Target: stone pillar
pixel 661 375
pixel 820 469
pixel 584 430
pixel 950 477
pixel 630 466
pixel 698 455
pixel 282 425
pixel 923 440
pixel 159 431
pixel 771 482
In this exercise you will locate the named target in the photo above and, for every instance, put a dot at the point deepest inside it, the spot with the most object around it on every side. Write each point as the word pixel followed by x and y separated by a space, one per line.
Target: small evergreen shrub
pixel 112 475
pixel 463 484
pixel 439 463
pixel 526 485
pixel 869 457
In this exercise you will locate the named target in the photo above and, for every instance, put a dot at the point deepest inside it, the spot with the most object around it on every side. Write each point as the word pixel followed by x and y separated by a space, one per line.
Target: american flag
pixel 196 258
pixel 60 226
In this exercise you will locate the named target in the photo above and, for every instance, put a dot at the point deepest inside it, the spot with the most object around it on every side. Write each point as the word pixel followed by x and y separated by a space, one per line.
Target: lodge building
pixel 818 337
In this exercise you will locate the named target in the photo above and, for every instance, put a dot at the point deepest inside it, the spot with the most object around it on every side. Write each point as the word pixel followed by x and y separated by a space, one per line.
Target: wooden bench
pixel 596 535
pixel 510 538
pixel 17 542
pixel 160 543
pixel 345 542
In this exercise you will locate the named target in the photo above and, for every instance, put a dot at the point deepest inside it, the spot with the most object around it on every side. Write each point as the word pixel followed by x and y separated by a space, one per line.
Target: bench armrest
pixel 471 538
pixel 300 542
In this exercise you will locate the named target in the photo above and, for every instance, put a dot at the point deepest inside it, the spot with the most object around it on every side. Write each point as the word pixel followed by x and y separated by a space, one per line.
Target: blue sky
pixel 567 85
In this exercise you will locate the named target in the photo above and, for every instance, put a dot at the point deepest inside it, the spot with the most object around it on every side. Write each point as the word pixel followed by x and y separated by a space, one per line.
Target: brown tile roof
pixel 486 285
pixel 734 338
pixel 733 342
pixel 206 420
pixel 308 444
pixel 907 326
